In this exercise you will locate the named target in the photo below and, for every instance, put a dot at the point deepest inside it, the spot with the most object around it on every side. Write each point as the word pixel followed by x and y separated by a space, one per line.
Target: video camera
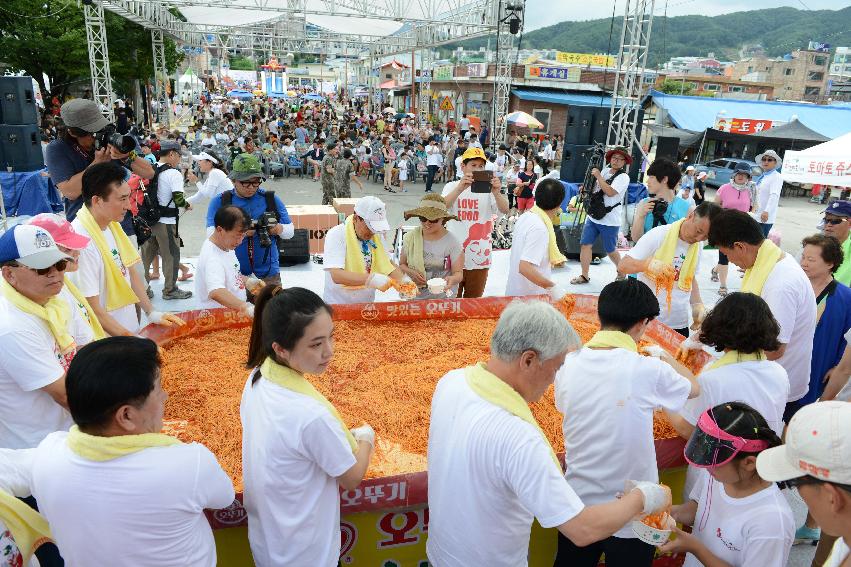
pixel 123 143
pixel 262 225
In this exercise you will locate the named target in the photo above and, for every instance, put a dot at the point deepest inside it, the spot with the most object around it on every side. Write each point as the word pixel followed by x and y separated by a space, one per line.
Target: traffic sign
pixel 446 104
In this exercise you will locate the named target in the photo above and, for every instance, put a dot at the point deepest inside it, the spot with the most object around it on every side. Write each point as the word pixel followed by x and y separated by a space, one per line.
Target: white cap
pixel 205 155
pixel 690 168
pixel 818 444
pixel 30 246
pixel 702 175
pixel 374 213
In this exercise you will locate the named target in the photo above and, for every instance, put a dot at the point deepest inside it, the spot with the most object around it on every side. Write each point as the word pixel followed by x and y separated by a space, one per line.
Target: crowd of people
pixel 84 462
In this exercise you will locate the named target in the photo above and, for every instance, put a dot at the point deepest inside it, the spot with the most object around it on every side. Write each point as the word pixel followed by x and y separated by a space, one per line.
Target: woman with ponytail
pixel 296 449
pixel 737 517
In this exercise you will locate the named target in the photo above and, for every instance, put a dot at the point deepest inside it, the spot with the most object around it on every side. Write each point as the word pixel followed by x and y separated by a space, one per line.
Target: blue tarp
pixel 277 95
pixel 698 113
pixel 313 96
pixel 562 97
pixel 29 193
pixel 237 93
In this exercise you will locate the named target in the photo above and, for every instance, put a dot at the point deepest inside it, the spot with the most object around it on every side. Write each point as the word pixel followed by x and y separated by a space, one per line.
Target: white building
pixel 840 69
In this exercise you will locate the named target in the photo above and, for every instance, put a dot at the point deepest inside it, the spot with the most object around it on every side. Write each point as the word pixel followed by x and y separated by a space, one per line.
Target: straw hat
pixel 432 207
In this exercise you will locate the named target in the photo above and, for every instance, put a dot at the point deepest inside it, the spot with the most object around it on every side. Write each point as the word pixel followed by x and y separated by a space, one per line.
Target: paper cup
pixel 651 535
pixel 436 285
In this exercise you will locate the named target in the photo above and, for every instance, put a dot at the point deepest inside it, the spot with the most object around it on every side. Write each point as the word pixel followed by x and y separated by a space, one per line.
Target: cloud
pixel 542 13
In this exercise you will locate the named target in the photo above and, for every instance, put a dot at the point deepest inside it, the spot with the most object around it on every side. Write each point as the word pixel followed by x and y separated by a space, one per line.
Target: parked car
pixel 721 170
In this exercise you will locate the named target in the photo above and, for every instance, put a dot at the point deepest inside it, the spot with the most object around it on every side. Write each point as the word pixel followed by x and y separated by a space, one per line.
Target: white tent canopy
pixel 826 164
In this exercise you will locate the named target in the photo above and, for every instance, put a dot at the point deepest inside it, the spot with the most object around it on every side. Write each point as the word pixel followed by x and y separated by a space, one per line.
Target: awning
pixel 687 138
pixel 563 97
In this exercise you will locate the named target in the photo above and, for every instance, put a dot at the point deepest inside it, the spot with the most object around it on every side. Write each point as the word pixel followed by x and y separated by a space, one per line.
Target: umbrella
pixel 400 115
pixel 389 110
pixel 237 93
pixel 522 120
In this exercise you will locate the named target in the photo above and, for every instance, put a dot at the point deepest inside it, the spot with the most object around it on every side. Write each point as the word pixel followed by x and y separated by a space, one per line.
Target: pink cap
pixel 61 231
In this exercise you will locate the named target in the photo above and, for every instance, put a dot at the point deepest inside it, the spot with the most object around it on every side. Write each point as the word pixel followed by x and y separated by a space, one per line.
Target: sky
pixel 541 13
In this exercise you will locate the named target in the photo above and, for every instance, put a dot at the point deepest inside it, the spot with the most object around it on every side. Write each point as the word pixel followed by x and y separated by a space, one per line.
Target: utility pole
pixel 413 83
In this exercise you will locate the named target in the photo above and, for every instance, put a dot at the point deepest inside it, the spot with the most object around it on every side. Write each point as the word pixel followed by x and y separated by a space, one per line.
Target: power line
pixel 60 10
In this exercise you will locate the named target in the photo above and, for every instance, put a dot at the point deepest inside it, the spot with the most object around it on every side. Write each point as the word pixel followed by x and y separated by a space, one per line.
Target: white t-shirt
pixel 619 184
pixel 464 124
pixel 530 243
pixel 490 474
pixel 15 478
pixel 838 554
pixel 646 247
pixel 215 184
pixel 335 257
pixel 217 269
pixel 608 423
pixel 169 181
pixel 791 298
pixel 90 277
pixel 81 327
pixel 293 450
pixel 475 212
pixel 768 195
pixel 31 360
pixel 208 140
pixel 755 530
pixel 143 509
pixel 433 155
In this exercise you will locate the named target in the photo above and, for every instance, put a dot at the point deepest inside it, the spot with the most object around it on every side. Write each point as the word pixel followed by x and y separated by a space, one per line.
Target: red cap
pixel 61 231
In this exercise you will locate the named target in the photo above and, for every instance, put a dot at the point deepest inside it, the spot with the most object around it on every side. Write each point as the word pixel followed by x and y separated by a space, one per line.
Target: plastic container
pixel 651 535
pixel 436 285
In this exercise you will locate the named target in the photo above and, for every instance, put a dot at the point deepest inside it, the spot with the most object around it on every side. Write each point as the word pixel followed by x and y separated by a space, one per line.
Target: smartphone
pixel 482 181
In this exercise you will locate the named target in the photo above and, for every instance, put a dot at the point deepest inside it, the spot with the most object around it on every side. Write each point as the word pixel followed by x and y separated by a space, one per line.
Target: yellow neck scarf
pixel 666 253
pixel 96 448
pixel 414 246
pixel 613 339
pixel 556 257
pixel 755 276
pixel 119 293
pixel 56 313
pixel 288 378
pixel 733 357
pixel 87 310
pixel 28 527
pixel 354 257
pixel 491 388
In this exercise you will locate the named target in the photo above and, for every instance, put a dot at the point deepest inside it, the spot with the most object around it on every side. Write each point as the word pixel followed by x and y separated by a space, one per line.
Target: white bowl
pixel 651 535
pixel 436 285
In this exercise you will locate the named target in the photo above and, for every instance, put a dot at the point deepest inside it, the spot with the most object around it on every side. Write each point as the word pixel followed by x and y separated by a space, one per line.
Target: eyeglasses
pixel 834 221
pixel 423 219
pixel 251 183
pixel 60 267
pixel 768 159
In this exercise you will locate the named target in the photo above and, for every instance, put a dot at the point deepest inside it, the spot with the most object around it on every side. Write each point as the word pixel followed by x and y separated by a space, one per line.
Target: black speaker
pixel 295 250
pixel 574 162
pixel 20 148
pixel 17 101
pixel 600 128
pixel 668 147
pixel 580 125
pixel 568 244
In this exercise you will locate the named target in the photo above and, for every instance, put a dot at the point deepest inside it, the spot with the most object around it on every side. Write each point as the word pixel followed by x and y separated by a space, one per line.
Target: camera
pixel 123 143
pixel 262 225
pixel 660 207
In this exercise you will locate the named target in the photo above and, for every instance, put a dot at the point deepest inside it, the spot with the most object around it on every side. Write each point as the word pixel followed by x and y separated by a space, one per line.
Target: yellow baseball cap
pixel 473 153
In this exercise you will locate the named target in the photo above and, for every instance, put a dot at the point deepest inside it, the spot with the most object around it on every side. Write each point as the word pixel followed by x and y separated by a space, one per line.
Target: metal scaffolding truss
pixel 631 64
pixel 506 55
pixel 163 112
pixel 99 58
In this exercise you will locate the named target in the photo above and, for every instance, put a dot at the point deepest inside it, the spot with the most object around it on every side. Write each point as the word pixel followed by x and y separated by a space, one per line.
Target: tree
pixel 677 87
pixel 239 63
pixel 49 37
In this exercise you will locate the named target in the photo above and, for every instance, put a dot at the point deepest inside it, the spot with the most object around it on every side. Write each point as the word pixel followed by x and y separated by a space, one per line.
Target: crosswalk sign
pixel 446 104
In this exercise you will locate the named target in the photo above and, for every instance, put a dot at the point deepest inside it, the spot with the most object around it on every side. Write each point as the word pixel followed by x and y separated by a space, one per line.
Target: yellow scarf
pixel 96 448
pixel 666 253
pixel 490 388
pixel 413 245
pixel 118 292
pixel 733 357
pixel 56 313
pixel 556 257
pixel 354 257
pixel 28 527
pixel 94 323
pixel 288 378
pixel 614 339
pixel 754 280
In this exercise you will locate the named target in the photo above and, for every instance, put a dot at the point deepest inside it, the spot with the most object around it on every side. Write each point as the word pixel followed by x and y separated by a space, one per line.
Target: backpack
pixel 150 211
pixel 596 207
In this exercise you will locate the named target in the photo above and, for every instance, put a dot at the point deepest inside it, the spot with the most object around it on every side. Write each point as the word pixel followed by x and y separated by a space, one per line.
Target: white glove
pixel 656 496
pixel 557 293
pixel 165 319
pixel 655 267
pixel 249 310
pixel 691 343
pixel 364 433
pixel 378 281
pixel 654 350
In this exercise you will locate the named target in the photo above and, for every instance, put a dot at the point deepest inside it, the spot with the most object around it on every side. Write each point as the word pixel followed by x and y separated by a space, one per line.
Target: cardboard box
pixel 317 219
pixel 344 206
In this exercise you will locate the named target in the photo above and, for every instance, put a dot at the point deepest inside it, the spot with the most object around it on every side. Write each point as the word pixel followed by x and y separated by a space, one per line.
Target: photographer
pixel 258 254
pixel 88 139
pixel 663 206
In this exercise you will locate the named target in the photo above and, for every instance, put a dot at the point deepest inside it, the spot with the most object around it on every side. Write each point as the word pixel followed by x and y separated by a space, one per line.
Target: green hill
pixel 779 31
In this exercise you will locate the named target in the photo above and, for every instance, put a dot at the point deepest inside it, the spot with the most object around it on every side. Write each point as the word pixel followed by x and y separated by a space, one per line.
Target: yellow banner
pixel 585 59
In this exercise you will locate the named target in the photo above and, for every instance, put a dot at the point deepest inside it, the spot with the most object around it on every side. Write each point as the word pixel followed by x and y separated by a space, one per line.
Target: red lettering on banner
pixel 398 535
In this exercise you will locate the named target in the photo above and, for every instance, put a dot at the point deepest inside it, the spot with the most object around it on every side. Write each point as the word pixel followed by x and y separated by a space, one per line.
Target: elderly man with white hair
pixel 492 470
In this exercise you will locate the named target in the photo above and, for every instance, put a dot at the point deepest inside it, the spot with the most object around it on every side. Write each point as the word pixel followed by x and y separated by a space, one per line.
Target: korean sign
pixel 585 59
pixel 548 72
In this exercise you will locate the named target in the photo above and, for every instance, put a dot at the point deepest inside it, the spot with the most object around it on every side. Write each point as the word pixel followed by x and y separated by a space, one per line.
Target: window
pixel 819 60
pixel 712 87
pixel 815 76
pixel 543 116
pixel 750 69
pixel 736 89
pixel 812 91
pixel 718 163
pixel 789 72
pixel 388 76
